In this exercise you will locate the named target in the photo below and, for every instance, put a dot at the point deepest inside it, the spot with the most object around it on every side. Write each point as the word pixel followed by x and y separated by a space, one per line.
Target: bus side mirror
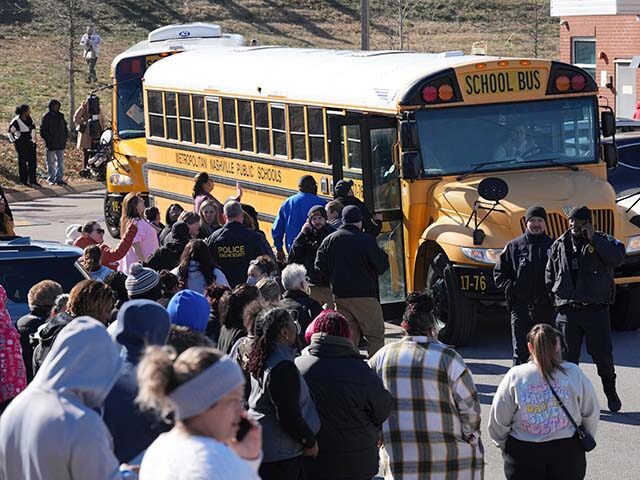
pixel 411 165
pixel 607 123
pixel 610 154
pixel 409 139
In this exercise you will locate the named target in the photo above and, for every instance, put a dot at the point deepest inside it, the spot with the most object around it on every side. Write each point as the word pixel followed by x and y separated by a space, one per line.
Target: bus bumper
pixel 629 271
pixel 477 283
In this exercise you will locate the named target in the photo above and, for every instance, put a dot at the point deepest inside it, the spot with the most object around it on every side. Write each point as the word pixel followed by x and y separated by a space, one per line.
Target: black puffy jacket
pixel 303 251
pixel 352 261
pixel 53 129
pixel 352 403
pixel 306 309
pixel 520 271
pixel 594 283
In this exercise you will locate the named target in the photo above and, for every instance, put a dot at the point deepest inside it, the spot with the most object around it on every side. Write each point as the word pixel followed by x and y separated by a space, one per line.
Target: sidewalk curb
pixel 48 192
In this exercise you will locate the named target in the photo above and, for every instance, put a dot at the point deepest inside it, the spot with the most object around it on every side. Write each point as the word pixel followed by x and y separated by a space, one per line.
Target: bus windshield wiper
pixel 478 166
pixel 552 161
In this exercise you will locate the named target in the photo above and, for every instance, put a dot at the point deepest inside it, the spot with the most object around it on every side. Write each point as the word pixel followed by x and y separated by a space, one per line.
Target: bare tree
pixel 405 8
pixel 536 20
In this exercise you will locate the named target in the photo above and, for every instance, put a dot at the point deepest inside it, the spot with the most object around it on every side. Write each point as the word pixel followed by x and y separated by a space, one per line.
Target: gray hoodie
pixel 51 430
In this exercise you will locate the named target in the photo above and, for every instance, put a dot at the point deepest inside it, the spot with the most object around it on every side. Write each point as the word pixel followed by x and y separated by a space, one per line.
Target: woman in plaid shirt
pixel 433 431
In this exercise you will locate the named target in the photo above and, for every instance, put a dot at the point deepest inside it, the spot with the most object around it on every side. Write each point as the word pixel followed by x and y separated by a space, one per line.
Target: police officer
pixel 520 273
pixel 235 245
pixel 579 275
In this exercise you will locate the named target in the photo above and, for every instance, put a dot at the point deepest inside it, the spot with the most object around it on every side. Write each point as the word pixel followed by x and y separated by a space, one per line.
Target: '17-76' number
pixel 476 283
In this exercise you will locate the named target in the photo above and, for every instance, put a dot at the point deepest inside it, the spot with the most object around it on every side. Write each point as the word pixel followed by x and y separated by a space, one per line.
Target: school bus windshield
pixel 129 105
pixel 507 136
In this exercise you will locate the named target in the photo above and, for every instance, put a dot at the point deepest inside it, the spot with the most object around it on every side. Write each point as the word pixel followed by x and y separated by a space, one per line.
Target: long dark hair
pixel 92 258
pixel 169 219
pixel 198 251
pixel 268 325
pixel 199 180
pixel 544 342
pixel 417 318
pixel 231 305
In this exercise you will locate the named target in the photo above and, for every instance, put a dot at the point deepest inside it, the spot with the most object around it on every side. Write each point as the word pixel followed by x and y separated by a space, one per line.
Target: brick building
pixel 603 37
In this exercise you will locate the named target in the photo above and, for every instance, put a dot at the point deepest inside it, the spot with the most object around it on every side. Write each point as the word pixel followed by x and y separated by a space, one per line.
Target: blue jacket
pixel 291 217
pixel 139 323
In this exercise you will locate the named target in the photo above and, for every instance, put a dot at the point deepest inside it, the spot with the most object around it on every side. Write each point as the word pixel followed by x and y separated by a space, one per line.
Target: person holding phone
pixel 579 278
pixel 204 390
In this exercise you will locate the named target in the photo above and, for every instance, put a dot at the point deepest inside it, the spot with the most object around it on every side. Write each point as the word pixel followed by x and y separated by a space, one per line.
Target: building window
pixel 584 54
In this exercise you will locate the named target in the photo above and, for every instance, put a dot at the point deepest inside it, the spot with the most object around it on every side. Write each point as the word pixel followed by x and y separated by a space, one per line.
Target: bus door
pixel 362 148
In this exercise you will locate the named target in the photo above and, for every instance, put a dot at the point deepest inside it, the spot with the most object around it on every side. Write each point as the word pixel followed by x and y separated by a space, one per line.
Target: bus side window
pixel 354 154
pixel 200 128
pixel 156 114
pixel 213 120
pixel 184 106
pixel 172 115
pixel 229 122
pixel 298 134
pixel 316 134
pixel 262 127
pixel 246 125
pixel 278 129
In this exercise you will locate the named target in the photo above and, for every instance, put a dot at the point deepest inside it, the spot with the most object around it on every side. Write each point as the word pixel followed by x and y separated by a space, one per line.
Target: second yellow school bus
pixel 449 149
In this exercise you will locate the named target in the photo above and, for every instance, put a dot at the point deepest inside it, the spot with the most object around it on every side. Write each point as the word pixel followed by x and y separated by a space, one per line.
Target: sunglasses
pixel 99 230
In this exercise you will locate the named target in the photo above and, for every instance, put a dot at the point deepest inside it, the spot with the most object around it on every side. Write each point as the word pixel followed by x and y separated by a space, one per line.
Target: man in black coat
pixel 351 401
pixel 54 132
pixel 580 277
pixel 303 251
pixel 520 272
pixel 168 256
pixel 352 261
pixel 235 245
pixel 343 192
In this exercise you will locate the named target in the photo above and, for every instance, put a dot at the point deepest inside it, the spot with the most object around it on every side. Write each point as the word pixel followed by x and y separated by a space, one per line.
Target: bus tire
pixel 624 313
pixel 456 314
pixel 111 218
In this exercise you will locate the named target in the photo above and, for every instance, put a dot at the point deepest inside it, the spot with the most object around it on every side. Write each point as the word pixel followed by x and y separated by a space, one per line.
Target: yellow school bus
pixel 126 173
pixel 429 140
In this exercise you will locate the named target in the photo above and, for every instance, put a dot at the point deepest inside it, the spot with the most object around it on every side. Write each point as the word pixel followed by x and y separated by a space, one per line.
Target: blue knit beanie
pixel 189 309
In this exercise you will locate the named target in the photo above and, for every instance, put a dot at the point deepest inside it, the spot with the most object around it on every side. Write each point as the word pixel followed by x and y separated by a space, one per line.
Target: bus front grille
pixel 558 223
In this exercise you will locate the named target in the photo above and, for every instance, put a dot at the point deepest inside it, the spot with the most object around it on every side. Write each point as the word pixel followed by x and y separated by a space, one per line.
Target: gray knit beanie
pixel 141 280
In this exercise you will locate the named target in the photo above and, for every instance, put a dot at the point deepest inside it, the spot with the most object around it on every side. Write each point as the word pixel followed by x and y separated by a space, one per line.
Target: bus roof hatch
pixel 187 30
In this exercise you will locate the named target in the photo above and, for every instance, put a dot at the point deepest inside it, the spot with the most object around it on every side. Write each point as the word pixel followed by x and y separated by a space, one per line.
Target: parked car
pixel 25 262
pixel 625 178
pixel 624 125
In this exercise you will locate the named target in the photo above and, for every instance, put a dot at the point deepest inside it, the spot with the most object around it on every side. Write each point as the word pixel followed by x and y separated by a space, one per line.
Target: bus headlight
pixel 482 255
pixel 120 180
pixel 634 244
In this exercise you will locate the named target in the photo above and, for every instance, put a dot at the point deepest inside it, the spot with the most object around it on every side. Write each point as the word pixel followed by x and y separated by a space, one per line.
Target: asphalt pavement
pixel 489 358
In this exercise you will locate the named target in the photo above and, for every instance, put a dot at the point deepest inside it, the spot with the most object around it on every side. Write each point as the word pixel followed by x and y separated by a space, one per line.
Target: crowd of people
pixel 192 351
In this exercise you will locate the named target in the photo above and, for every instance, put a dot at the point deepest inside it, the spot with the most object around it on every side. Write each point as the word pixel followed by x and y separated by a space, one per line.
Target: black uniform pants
pixel 290 469
pixel 576 324
pixel 26 161
pixel 523 318
pixel 554 460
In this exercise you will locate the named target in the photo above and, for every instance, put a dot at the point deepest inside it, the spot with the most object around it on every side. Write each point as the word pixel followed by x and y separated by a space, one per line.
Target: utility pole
pixel 364 20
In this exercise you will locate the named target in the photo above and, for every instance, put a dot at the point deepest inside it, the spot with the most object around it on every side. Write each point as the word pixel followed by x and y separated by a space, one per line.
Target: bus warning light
pixel 481 66
pixel 445 92
pixel 429 94
pixel 563 83
pixel 525 63
pixel 503 63
pixel 578 82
